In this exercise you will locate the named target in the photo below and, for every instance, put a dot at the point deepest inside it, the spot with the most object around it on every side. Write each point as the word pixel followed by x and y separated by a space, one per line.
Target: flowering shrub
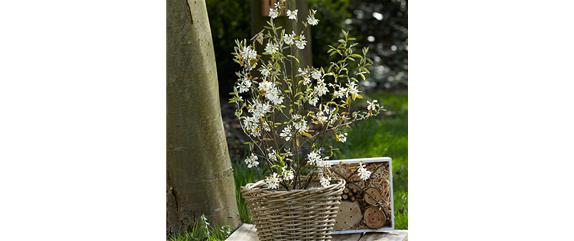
pixel 293 152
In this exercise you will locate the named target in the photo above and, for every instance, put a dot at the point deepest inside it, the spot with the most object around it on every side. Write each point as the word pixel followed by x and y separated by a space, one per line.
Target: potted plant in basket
pixel 300 197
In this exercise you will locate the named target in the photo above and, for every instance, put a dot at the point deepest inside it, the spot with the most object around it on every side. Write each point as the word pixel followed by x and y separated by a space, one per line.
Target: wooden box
pixel 357 204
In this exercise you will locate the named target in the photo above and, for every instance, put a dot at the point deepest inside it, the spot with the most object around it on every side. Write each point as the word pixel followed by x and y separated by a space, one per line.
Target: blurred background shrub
pixel 229 20
pixel 380 25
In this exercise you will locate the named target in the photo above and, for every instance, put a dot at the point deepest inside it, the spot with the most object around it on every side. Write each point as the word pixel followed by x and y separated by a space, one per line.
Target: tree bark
pixel 199 175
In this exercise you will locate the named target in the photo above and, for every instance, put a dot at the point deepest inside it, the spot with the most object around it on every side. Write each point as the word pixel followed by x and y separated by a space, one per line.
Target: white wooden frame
pixel 367 160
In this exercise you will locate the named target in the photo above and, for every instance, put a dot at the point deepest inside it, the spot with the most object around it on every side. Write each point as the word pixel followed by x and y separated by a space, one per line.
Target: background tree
pixel 199 174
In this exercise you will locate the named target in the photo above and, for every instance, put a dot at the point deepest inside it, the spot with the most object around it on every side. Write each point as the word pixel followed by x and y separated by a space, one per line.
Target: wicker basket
pixel 307 214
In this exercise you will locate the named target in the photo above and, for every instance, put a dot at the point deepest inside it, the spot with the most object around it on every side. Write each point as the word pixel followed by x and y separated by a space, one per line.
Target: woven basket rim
pixel 261 188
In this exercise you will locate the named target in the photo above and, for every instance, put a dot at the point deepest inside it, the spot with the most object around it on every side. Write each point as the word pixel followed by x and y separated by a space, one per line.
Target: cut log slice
pixel 375 193
pixel 374 218
pixel 349 215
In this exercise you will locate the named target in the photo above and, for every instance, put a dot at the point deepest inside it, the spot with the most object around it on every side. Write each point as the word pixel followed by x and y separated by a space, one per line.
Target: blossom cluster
pixel 290 114
pixel 363 173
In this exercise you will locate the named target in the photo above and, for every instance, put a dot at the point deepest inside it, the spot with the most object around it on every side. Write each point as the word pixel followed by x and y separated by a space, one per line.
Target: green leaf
pixel 306 134
pixel 291 56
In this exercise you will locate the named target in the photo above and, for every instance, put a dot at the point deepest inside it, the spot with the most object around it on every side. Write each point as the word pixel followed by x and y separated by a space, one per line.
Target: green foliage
pixel 401 210
pixel 229 20
pixel 203 231
pixel 332 15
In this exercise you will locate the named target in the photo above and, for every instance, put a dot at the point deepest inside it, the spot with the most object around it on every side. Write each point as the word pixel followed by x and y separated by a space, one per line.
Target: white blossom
pixel 266 86
pixel 363 173
pixel 316 74
pixel 251 125
pixel 272 182
pixel 371 106
pixel 325 181
pixel 311 18
pixel 288 152
pixel 314 101
pixel 273 13
pixel 321 89
pixel 271 48
pixel 277 5
pixel 342 137
pixel 272 155
pixel 352 89
pixel 244 85
pixel 271 92
pixel 300 125
pixel 324 163
pixel 338 94
pixel 251 161
pixel 275 98
pixel 289 38
pixel 286 133
pixel 306 80
pixel 292 14
pixel 301 42
pixel 259 109
pixel 248 53
pixel 287 175
pixel 314 158
pixel 265 71
pixel 321 117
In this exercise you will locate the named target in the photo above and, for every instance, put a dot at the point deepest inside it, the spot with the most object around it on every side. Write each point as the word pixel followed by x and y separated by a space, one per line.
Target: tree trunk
pixel 199 174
